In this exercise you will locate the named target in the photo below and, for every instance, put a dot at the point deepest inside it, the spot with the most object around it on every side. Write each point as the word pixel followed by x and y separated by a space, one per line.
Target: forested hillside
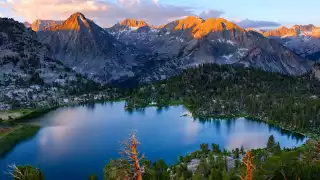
pixel 212 91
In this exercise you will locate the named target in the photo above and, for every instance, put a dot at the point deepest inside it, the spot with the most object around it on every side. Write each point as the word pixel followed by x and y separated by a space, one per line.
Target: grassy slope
pixel 11 136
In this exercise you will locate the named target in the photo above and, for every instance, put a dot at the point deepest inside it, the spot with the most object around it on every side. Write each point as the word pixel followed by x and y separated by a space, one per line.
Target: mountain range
pixel 134 49
pixel 193 41
pixel 304 40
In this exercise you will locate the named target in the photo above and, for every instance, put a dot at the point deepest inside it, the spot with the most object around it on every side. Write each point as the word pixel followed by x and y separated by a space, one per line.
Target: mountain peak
pixel 201 27
pixel 78 14
pixel 188 22
pixel 283 28
pixel 75 22
pixel 294 31
pixel 133 23
pixel 39 24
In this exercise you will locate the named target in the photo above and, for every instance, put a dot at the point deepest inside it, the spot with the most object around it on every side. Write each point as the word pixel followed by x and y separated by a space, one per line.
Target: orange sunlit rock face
pixel 133 23
pixel 277 32
pixel 296 30
pixel 316 32
pixel 73 23
pixel 201 28
pixel 37 24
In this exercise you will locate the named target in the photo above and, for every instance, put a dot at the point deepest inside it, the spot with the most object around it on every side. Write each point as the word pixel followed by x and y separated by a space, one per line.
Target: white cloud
pixel 2 3
pixel 247 23
pixel 102 11
pixel 210 13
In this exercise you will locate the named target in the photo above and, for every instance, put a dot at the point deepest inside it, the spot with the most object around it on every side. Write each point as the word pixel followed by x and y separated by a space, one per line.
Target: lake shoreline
pixel 307 133
pixel 34 113
pixel 12 136
pixel 69 128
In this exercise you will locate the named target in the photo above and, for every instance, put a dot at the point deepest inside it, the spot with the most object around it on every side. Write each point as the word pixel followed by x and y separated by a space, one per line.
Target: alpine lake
pixel 74 142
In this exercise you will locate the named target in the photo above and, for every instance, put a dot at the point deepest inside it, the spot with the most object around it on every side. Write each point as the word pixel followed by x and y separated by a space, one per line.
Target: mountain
pixel 29 74
pixel 133 23
pixel 134 50
pixel 40 25
pixel 303 40
pixel 88 49
pixel 192 41
pixel 294 31
pixel 131 28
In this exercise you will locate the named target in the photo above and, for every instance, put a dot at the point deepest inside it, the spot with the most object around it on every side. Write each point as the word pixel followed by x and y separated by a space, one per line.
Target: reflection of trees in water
pixel 290 135
pixel 230 123
pixel 107 103
pixel 131 111
pixel 251 123
pixel 90 106
pixel 159 110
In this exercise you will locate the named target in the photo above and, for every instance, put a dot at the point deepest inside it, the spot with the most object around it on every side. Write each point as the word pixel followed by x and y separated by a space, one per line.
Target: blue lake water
pixel 75 142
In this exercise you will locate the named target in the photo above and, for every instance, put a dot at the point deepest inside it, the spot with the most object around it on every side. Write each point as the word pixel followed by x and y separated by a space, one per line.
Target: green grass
pixel 12 136
pixel 22 114
pixel 9 115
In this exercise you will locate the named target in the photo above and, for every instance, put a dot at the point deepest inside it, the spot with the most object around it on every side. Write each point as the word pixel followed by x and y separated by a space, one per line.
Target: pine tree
pixel 277 149
pixel 215 174
pixel 271 143
pixel 204 148
pixel 242 149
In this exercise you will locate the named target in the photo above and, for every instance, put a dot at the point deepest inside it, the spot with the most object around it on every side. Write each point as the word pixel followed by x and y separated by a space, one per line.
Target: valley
pixel 71 90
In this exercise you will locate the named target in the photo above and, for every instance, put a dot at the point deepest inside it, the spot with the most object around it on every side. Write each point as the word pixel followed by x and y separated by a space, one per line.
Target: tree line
pixel 212 90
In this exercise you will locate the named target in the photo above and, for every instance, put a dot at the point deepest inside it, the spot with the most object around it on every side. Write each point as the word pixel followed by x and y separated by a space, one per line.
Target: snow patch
pixel 134 28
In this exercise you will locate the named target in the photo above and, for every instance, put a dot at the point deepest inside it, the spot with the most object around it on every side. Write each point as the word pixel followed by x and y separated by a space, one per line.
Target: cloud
pixel 256 24
pixel 210 14
pixel 2 3
pixel 104 12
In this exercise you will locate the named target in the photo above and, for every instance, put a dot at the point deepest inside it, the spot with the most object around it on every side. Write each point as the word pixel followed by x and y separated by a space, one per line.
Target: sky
pixel 247 13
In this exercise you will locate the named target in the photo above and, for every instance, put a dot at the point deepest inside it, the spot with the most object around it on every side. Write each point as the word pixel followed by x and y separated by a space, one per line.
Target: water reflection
pixel 89 136
pixel 192 129
pixel 248 140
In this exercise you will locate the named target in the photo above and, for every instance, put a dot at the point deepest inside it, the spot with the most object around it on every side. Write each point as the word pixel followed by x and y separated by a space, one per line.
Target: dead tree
pixel 249 167
pixel 130 153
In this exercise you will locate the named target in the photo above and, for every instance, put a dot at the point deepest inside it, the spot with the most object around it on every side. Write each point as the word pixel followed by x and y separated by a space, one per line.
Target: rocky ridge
pixel 304 40
pixel 30 76
pixel 192 41
pixel 88 49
